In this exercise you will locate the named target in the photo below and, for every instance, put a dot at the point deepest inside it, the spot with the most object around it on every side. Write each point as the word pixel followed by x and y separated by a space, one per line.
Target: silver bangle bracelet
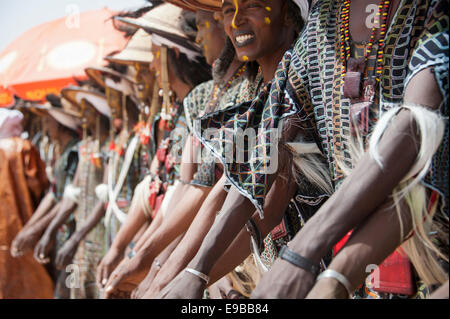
pixel 202 276
pixel 329 273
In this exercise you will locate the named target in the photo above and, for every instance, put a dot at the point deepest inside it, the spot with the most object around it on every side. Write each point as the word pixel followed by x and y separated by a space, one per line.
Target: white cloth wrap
pixel 113 192
pixel 73 193
pixel 102 192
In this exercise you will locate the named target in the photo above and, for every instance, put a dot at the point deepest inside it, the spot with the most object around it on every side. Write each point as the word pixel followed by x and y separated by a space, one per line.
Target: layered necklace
pixel 353 69
pixel 220 89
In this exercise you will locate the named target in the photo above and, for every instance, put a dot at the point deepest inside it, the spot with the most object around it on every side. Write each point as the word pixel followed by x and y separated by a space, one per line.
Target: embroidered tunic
pixel 91 249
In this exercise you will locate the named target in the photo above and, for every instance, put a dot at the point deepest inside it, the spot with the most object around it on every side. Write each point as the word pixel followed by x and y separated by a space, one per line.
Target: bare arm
pixel 191 242
pixel 363 249
pixel 170 229
pixel 67 207
pixel 441 292
pixel 44 207
pixel 27 238
pixel 45 243
pixel 133 223
pixel 360 195
pixel 142 291
pixel 276 204
pixel 66 253
pixel 186 174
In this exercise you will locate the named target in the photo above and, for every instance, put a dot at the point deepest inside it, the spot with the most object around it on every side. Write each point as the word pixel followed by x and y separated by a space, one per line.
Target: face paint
pixel 267 20
pixel 268 9
pixel 207 25
pixel 158 54
pixel 235 14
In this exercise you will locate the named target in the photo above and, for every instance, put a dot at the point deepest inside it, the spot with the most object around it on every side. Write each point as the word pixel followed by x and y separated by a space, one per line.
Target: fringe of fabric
pixel 430 127
pixel 420 249
pixel 307 162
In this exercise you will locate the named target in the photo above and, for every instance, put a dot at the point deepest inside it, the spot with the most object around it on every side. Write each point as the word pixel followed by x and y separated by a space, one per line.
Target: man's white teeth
pixel 243 38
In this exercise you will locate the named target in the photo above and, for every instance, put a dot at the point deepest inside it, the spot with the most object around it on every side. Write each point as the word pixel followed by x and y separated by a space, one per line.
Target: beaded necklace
pixel 352 80
pixel 220 90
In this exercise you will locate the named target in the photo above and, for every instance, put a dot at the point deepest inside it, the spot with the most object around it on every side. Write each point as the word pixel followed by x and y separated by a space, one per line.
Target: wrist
pixel 299 261
pixel 200 264
pixel 117 249
pixel 311 251
pixel 76 238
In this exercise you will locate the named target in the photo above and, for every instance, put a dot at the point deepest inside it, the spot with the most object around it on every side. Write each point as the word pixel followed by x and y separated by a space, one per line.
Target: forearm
pixel 41 225
pixel 147 288
pixel 275 207
pixel 133 223
pixel 156 223
pixel 45 206
pixel 193 239
pixel 66 208
pixel 161 215
pixel 234 215
pixel 366 248
pixel 174 226
pixel 362 192
pixel 93 219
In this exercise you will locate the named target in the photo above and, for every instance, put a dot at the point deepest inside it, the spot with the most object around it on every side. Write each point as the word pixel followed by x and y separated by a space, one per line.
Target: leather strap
pixel 299 261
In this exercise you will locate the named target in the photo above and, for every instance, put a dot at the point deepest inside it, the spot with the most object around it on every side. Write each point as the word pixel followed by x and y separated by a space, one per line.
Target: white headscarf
pixel 304 8
pixel 10 123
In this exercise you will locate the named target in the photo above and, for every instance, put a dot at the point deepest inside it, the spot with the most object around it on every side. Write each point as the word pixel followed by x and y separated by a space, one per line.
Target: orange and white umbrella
pixel 46 58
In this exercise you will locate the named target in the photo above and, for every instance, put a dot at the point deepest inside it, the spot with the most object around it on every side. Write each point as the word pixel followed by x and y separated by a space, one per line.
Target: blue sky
pixel 18 16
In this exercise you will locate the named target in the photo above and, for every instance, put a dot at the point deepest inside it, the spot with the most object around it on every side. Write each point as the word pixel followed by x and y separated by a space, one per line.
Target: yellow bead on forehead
pixel 267 20
pixel 268 9
pixel 245 58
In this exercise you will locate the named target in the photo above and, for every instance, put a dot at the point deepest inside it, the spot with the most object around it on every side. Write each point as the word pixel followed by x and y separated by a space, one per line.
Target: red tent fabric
pixel 45 59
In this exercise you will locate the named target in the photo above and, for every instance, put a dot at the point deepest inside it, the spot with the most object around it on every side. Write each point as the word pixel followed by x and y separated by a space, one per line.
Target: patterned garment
pixel 91 249
pixel 64 172
pixel 307 83
pixel 417 39
pixel 200 102
pixel 168 155
pixel 263 115
pixel 126 193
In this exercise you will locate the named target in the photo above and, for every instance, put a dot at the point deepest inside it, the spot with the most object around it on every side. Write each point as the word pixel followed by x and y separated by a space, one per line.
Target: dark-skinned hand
pixel 184 286
pixel 109 262
pixel 284 281
pixel 42 249
pixel 124 279
pixel 65 255
pixel 24 242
